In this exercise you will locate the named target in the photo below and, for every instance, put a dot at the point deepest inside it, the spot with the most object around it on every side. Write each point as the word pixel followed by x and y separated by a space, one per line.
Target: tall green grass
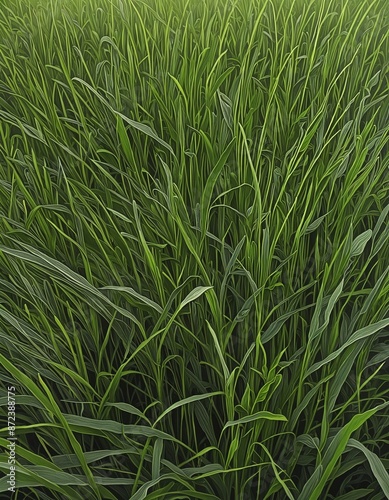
pixel 194 281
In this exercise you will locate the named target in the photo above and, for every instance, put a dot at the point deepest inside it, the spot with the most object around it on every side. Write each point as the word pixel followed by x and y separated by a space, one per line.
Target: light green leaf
pixel 139 126
pixel 377 467
pixel 219 352
pixel 314 487
pixel 190 399
pixel 193 295
pixel 361 334
pixel 266 415
pixel 315 224
pixel 358 245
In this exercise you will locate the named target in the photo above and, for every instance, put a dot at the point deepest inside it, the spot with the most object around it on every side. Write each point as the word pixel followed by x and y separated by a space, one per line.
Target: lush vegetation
pixel 194 284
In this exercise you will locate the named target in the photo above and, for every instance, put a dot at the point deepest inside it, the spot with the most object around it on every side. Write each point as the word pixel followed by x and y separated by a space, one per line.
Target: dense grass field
pixel 194 248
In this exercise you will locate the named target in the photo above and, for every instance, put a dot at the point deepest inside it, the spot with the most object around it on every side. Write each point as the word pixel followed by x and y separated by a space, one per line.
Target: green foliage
pixel 194 286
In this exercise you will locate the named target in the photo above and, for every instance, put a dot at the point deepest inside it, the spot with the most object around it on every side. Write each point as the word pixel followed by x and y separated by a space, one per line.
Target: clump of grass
pixel 194 248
